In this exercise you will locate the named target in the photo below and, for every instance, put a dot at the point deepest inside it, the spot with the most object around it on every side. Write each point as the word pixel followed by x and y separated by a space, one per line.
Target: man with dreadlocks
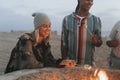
pixel 81 33
pixel 33 49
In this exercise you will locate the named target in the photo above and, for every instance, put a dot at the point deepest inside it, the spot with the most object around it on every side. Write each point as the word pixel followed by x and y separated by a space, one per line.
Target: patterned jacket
pixel 25 55
pixel 69 38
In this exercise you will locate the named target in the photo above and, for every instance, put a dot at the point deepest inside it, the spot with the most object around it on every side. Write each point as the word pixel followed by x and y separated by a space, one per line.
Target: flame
pixel 96 71
pixel 100 75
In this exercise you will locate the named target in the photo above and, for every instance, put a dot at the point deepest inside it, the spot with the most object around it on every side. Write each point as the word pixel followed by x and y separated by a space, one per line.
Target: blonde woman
pixel 33 49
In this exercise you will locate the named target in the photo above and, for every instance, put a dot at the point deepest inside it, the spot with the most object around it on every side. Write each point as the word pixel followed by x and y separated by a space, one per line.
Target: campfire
pixel 102 75
pixel 99 75
pixel 73 73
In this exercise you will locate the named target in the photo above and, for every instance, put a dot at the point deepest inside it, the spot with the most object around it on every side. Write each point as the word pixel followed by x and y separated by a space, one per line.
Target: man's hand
pixel 94 39
pixel 112 43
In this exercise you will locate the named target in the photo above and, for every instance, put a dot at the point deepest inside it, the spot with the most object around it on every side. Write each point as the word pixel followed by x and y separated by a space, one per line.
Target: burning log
pixel 76 73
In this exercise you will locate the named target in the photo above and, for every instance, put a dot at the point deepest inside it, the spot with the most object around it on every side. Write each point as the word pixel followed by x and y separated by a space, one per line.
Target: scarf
pixel 82 41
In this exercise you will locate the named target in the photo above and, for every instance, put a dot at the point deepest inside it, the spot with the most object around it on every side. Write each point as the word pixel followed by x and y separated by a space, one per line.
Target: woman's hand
pixel 68 63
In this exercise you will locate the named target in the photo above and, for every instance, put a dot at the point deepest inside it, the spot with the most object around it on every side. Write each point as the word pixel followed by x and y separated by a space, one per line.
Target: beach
pixel 9 39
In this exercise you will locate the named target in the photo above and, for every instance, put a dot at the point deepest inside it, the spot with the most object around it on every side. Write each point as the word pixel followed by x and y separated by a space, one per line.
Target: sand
pixel 8 41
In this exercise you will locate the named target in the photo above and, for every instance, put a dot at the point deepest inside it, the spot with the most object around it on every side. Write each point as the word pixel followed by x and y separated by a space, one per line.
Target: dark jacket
pixel 26 56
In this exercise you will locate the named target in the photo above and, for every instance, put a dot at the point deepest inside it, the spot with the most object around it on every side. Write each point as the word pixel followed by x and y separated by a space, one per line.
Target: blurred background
pixel 16 14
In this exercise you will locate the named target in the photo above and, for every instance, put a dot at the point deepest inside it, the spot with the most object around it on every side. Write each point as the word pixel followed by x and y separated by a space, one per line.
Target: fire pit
pixel 76 73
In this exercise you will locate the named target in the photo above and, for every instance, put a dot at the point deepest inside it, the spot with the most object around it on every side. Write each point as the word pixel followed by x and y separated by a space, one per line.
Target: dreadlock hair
pixel 77 7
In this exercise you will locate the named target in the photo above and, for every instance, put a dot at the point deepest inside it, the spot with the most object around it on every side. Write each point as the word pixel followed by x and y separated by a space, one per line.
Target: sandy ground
pixel 8 41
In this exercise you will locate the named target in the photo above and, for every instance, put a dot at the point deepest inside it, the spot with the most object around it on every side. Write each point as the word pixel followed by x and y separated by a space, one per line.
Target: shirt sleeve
pixel 114 31
pixel 97 30
pixel 64 39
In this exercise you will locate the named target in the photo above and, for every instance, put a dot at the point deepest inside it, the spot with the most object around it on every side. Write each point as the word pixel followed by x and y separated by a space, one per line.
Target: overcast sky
pixel 16 14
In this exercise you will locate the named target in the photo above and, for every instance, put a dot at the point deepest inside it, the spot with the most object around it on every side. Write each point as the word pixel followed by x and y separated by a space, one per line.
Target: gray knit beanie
pixel 39 19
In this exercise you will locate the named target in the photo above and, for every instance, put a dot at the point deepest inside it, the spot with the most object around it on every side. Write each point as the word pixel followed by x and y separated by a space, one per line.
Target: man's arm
pixel 64 40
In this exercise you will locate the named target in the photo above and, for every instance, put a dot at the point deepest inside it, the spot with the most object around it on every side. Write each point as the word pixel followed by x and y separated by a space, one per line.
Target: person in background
pixel 33 49
pixel 81 33
pixel 114 43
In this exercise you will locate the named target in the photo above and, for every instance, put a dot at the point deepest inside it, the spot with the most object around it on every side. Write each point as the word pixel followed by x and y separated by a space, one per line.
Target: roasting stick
pixel 94 64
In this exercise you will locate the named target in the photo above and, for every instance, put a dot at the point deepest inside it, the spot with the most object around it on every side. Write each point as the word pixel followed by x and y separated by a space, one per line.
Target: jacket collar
pixel 76 16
